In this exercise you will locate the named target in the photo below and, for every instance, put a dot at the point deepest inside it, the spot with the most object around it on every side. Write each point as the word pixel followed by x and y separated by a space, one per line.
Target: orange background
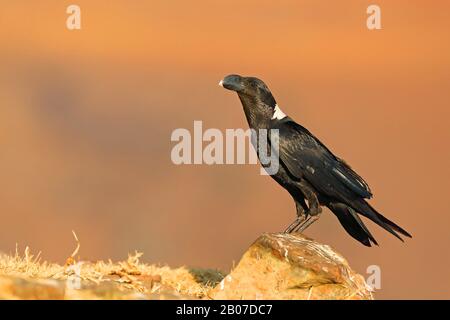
pixel 86 118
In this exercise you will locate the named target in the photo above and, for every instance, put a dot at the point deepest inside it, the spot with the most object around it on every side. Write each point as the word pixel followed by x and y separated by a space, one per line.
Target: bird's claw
pixel 295 224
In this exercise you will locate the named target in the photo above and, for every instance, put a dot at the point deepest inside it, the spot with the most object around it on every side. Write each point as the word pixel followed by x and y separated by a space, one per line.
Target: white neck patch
pixel 278 114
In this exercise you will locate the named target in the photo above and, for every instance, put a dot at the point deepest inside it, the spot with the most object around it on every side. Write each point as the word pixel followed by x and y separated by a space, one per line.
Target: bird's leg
pixel 312 216
pixel 314 210
pixel 305 224
pixel 301 206
pixel 301 217
pixel 294 225
pixel 314 207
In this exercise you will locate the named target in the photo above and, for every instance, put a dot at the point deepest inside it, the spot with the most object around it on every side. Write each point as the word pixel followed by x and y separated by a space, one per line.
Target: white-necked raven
pixel 308 169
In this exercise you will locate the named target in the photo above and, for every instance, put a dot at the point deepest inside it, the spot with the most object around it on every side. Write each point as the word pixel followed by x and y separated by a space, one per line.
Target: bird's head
pixel 249 88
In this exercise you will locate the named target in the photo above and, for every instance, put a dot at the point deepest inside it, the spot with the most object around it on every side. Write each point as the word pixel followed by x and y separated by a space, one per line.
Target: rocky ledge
pixel 276 266
pixel 291 266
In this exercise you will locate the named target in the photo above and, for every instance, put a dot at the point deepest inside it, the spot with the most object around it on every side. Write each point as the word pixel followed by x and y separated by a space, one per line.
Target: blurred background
pixel 86 118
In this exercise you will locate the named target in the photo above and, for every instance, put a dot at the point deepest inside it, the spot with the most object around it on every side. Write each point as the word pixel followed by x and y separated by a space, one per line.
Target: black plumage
pixel 308 170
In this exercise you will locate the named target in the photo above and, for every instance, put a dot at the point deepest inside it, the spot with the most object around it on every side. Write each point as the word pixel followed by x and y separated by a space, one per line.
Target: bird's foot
pixel 305 224
pixel 294 225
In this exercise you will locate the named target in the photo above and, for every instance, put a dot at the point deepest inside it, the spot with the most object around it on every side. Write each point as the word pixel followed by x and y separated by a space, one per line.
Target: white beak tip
pixel 221 83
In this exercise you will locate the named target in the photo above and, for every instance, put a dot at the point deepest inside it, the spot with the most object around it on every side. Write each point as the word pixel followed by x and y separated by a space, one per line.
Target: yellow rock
pixel 291 266
pixel 16 288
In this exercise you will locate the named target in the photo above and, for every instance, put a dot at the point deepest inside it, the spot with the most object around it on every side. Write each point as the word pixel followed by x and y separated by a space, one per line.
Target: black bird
pixel 308 170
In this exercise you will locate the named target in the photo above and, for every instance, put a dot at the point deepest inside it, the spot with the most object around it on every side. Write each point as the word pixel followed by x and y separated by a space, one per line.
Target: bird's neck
pixel 257 112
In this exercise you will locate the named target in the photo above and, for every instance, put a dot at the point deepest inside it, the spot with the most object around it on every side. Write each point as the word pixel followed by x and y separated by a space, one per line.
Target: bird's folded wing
pixel 305 156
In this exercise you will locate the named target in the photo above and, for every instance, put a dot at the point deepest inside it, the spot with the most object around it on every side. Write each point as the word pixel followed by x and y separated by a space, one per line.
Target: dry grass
pixel 276 266
pixel 106 279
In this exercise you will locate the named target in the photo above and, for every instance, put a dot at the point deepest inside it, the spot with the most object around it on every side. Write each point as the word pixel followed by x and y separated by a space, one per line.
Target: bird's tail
pixel 352 223
pixel 364 208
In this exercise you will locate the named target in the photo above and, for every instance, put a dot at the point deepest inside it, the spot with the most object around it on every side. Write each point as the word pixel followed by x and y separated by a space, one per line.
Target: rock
pixel 13 288
pixel 291 266
pixel 18 288
pixel 25 277
pixel 276 266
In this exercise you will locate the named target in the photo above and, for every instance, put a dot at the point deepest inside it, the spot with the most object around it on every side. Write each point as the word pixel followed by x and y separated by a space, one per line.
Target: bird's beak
pixel 232 82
